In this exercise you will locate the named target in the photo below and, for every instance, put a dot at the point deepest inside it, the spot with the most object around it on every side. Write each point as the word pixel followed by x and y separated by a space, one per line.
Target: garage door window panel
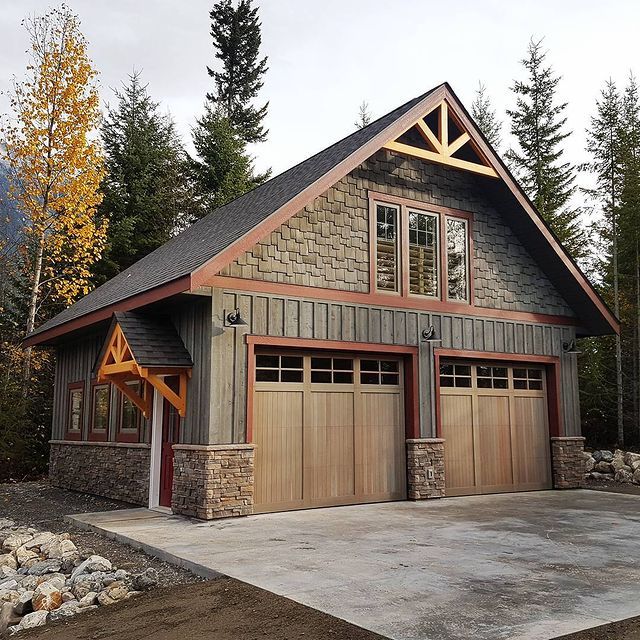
pixel 380 372
pixel 279 368
pixel 455 375
pixel 332 370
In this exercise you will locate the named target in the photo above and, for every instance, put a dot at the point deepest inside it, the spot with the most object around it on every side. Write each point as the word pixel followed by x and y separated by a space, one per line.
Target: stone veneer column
pixel 567 462
pixel 213 481
pixel 425 468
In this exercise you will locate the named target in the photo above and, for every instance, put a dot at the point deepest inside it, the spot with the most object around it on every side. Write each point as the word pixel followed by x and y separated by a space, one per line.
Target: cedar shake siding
pixel 327 243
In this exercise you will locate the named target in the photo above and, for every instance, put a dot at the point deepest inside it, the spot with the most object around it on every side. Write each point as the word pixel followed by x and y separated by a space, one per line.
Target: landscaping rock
pixel 636 476
pixel 47 597
pixel 626 477
pixel 91 564
pixel 24 604
pixel 607 456
pixel 9 595
pixel 597 455
pixel 589 462
pixel 8 560
pixel 31 620
pixel 7 617
pixel 145 580
pixel 603 467
pixel 89 599
pixel 45 566
pixel 618 460
pixel 7 572
pixel 40 539
pixel 15 540
pixel 63 612
pixel 23 555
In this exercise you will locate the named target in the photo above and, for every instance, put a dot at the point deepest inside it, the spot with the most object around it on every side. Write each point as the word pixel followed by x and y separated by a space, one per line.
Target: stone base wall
pixel 214 481
pixel 112 470
pixel 568 464
pixel 425 468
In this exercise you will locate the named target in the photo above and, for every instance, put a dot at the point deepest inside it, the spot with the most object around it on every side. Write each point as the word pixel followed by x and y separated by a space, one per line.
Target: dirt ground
pixel 222 609
pixel 187 607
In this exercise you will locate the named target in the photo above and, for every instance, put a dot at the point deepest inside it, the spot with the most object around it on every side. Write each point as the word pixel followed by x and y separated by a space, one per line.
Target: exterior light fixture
pixel 428 334
pixel 570 347
pixel 234 319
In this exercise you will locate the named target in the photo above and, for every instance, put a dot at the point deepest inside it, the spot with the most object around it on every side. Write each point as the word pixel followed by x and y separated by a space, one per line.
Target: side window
pixel 423 253
pixel 387 247
pixel 100 410
pixel 74 415
pixel 129 417
pixel 457 260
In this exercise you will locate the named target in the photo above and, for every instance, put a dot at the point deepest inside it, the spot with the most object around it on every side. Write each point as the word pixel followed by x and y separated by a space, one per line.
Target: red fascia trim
pixel 153 295
pixel 552 367
pixel 410 353
pixel 394 301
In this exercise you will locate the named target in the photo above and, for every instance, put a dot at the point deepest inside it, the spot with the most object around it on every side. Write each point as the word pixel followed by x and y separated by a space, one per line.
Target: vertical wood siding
pixel 75 362
pixel 293 317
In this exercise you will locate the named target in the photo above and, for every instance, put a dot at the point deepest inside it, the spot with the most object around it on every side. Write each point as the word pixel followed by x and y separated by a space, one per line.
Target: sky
pixel 326 57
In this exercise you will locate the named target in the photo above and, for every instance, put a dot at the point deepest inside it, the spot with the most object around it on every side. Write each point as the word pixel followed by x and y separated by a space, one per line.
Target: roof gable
pixel 191 258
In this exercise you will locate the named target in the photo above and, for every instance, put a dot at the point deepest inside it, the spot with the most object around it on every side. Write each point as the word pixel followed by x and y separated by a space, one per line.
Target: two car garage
pixel 330 428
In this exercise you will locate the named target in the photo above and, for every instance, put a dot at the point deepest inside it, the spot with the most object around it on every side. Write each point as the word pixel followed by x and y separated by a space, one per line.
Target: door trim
pixel 156 450
pixel 552 371
pixel 410 366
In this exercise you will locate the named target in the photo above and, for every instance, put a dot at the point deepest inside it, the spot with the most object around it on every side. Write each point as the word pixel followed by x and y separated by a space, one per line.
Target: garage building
pixel 390 319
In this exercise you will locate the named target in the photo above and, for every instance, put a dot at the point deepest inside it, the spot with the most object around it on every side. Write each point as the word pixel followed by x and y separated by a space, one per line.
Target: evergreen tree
pixel 236 33
pixel 537 123
pixel 223 169
pixel 602 393
pixel 364 116
pixel 485 117
pixel 147 191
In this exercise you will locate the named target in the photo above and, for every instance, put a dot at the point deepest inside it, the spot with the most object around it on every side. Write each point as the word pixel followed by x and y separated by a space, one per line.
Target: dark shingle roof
pixel 154 341
pixel 215 232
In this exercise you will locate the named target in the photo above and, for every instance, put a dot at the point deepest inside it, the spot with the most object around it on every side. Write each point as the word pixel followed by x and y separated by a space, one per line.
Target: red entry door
pixel 170 436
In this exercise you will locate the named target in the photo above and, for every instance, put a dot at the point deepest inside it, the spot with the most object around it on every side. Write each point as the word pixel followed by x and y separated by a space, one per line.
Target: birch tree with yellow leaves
pixel 56 164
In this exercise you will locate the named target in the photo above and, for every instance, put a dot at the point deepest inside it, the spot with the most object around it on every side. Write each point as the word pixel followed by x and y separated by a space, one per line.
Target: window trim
pixel 404 205
pixel 445 258
pixel 72 434
pixel 129 435
pixel 400 225
pixel 99 435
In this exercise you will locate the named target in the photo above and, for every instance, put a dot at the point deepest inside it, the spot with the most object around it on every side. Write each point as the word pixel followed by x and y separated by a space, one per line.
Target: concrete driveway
pixel 533 565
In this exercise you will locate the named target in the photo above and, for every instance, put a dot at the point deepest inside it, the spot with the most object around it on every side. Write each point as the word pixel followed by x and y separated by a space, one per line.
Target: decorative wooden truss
pixel 119 366
pixel 440 137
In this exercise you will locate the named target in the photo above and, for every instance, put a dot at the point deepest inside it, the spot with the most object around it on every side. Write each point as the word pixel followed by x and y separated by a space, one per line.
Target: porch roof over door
pixel 145 349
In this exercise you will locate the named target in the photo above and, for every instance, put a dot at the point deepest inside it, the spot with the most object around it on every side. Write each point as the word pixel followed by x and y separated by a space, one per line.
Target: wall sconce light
pixel 234 319
pixel 570 347
pixel 428 335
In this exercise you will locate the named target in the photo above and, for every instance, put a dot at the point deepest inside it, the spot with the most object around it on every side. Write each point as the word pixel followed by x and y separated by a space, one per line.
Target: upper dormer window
pixel 420 253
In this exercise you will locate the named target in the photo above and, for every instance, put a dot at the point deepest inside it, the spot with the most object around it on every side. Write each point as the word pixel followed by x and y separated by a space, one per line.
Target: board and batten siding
pixel 273 315
pixel 75 362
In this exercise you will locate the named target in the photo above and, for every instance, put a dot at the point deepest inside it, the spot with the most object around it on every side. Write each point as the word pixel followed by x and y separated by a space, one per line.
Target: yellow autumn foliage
pixel 55 159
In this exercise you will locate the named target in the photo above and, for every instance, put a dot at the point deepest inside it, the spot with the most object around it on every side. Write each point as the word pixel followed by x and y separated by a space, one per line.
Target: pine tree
pixel 603 144
pixel 364 116
pixel 236 33
pixel 485 117
pixel 537 123
pixel 629 243
pixel 148 194
pixel 223 169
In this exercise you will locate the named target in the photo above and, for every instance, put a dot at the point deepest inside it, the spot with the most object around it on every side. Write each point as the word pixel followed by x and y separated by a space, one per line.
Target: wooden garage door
pixel 328 429
pixel 494 421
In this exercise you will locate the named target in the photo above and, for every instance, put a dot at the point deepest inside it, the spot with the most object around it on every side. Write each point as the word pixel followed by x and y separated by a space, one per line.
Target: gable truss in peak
pixel 440 137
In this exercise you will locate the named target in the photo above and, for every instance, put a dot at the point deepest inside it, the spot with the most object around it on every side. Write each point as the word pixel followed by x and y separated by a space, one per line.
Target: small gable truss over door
pixel 440 137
